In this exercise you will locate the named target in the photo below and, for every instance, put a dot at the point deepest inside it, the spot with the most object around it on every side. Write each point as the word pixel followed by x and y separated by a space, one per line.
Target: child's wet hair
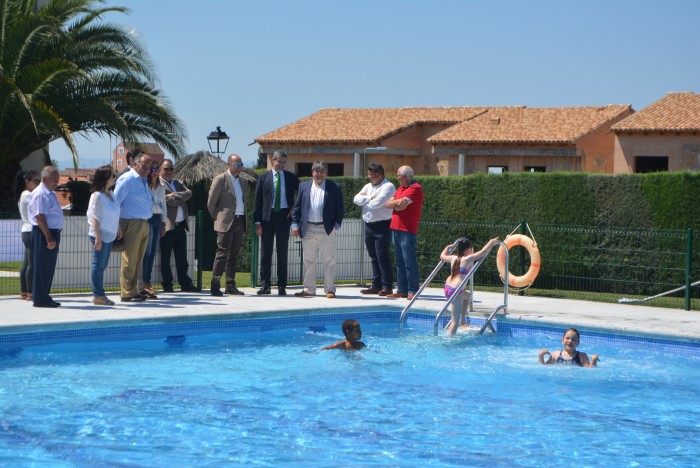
pixel 350 325
pixel 578 335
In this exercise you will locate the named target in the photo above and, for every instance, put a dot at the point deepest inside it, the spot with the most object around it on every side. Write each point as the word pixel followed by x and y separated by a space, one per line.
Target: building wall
pixel 479 164
pixel 598 148
pixel 683 151
pixel 119 157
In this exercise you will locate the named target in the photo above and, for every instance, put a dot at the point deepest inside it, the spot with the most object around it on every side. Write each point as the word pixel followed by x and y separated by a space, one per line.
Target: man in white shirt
pixel 377 217
pixel 317 215
pixel 228 197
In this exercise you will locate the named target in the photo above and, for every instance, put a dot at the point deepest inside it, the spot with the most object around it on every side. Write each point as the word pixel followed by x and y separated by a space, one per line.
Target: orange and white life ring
pixel 535 261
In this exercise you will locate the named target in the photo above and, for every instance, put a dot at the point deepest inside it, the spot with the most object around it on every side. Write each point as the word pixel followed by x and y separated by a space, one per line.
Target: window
pixel 121 150
pixel 119 162
pixel 304 169
pixel 497 170
pixel 535 169
pixel 644 164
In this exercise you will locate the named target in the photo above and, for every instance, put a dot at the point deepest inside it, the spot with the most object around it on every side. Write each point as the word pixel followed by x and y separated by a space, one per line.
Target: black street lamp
pixel 218 136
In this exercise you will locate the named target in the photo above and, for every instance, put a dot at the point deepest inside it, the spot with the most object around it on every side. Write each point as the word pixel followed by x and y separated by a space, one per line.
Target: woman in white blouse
pixel 103 227
pixel 26 182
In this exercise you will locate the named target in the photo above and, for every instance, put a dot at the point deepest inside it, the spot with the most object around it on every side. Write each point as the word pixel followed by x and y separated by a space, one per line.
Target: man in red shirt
pixel 407 203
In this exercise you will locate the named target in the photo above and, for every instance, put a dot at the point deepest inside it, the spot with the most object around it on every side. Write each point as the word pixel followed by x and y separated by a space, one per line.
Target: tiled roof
pixel 148 148
pixel 677 112
pixel 364 125
pixel 530 125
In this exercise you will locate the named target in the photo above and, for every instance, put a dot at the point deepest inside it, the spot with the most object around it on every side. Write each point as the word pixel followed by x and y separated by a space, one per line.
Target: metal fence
pixel 582 262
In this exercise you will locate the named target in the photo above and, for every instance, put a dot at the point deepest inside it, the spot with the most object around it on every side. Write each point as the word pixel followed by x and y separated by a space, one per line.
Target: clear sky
pixel 253 66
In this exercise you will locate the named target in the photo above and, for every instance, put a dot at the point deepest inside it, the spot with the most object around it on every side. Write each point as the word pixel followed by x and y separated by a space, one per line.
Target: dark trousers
pixel 175 240
pixel 277 227
pixel 378 242
pixel 27 271
pixel 44 265
pixel 228 247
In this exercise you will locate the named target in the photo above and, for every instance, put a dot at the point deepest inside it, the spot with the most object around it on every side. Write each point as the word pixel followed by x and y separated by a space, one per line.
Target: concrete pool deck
pixel 77 311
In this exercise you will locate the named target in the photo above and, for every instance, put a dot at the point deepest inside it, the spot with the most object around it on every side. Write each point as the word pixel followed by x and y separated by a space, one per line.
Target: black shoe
pixel 133 299
pixel 281 291
pixel 234 291
pixel 55 304
pixel 168 289
pixel 216 292
pixel 48 305
pixel 264 290
pixel 190 288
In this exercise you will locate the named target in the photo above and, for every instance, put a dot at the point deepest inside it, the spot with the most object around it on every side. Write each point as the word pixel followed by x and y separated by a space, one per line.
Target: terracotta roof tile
pixel 532 125
pixel 364 125
pixel 677 112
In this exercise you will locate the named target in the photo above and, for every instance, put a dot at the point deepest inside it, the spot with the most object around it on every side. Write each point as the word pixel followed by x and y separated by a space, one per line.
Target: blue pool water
pixel 271 398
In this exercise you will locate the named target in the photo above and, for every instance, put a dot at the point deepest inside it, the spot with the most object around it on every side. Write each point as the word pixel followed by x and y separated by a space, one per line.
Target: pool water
pixel 273 399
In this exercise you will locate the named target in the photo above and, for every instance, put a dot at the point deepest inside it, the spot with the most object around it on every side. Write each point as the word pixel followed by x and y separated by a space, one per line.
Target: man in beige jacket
pixel 228 197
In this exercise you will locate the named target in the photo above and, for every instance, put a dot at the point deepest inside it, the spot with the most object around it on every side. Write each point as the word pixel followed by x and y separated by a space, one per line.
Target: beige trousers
pixel 135 233
pixel 316 240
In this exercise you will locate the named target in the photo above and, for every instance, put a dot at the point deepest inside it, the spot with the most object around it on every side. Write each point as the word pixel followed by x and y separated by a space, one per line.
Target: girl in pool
pixel 460 264
pixel 569 355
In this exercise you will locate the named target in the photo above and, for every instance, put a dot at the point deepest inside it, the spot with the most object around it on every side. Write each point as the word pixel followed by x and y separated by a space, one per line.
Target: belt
pixel 381 221
pixel 238 216
pixel 180 223
pixel 311 222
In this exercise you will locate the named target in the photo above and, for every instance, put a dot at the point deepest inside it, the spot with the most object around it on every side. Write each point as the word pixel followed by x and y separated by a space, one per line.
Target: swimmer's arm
pixel 336 345
pixel 586 363
pixel 477 255
pixel 445 255
pixel 543 353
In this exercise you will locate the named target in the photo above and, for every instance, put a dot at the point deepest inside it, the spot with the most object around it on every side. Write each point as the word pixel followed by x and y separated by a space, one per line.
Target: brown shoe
pixel 303 294
pixel 410 296
pixel 385 292
pixel 102 300
pixel 330 295
pixel 370 290
pixel 148 288
pixel 397 295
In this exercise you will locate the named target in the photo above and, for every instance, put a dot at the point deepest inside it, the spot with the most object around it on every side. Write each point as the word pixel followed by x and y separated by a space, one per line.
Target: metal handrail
pixel 425 284
pixel 467 278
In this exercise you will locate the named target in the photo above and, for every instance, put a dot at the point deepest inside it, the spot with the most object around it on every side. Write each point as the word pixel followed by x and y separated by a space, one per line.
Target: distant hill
pixel 85 163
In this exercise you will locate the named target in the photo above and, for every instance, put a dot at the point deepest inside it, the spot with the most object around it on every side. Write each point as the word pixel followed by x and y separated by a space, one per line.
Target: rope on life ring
pixel 535 261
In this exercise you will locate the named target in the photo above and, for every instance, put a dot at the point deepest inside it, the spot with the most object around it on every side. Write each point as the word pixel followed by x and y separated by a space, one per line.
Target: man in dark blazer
pixel 317 215
pixel 176 227
pixel 274 198
pixel 226 205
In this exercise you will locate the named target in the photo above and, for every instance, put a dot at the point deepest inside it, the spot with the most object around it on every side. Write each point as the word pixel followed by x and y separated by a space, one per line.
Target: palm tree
pixel 64 71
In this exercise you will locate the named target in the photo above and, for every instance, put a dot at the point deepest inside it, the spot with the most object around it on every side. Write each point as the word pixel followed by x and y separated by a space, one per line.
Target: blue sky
pixel 254 66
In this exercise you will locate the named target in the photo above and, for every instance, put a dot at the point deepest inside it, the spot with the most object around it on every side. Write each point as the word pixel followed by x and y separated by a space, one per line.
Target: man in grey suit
pixel 226 205
pixel 274 198
pixel 176 227
pixel 317 215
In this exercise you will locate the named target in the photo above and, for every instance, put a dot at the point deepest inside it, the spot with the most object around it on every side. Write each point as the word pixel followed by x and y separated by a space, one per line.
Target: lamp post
pixel 364 156
pixel 217 135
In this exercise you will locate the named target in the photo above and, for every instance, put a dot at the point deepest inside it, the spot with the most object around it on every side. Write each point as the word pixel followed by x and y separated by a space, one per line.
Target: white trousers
pixel 316 240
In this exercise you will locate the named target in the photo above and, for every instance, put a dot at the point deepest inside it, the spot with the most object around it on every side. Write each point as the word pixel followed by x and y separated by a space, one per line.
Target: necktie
pixel 278 192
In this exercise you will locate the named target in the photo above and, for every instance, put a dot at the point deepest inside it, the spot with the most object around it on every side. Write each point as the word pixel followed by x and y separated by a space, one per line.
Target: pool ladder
pixel 467 279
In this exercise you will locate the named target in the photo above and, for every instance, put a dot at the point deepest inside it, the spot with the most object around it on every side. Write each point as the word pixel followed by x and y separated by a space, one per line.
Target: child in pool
pixel 353 333
pixel 460 264
pixel 569 355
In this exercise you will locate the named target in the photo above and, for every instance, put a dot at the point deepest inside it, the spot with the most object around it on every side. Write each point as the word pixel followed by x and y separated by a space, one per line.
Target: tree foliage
pixel 65 71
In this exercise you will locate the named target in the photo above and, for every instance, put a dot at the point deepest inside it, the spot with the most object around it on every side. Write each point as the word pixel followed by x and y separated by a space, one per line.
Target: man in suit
pixel 274 198
pixel 317 215
pixel 46 217
pixel 176 227
pixel 226 204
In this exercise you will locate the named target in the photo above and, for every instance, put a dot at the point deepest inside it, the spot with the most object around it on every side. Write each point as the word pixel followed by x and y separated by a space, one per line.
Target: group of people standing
pixel 144 206
pixel 139 208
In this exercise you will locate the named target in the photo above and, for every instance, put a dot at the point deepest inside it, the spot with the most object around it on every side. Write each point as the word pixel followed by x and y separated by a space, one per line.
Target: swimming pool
pixel 261 392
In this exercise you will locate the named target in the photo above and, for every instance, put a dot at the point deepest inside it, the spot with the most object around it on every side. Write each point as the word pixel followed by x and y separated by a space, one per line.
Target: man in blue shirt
pixel 134 197
pixel 45 215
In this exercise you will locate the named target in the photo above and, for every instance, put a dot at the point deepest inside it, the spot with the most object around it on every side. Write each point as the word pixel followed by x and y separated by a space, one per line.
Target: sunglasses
pixel 37 181
pixel 155 168
pixel 167 169
pixel 238 164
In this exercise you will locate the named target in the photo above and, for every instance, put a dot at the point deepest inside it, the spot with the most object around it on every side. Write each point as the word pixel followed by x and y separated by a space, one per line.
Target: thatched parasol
pixel 203 166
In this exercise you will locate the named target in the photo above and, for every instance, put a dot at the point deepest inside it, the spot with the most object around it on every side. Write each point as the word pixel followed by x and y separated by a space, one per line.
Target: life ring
pixel 535 261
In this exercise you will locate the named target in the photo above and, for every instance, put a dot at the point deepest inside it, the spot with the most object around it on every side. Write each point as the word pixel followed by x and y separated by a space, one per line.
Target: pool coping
pixel 78 312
